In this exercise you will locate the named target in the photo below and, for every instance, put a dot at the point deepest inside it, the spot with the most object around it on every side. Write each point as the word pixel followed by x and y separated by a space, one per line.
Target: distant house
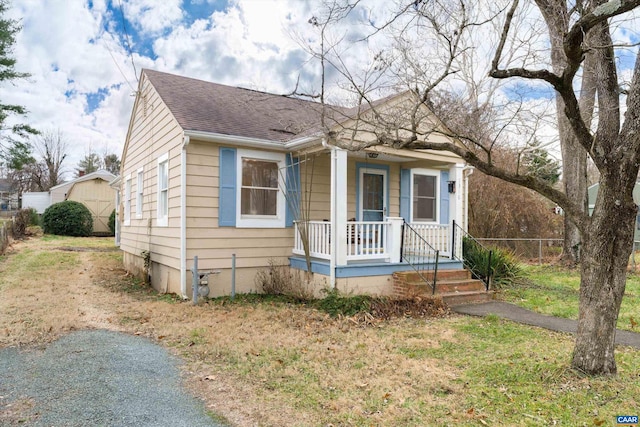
pixel 593 194
pixel 8 196
pixel 207 170
pixel 92 190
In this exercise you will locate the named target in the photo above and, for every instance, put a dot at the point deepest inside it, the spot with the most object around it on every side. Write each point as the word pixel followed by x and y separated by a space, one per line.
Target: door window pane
pixel 373 191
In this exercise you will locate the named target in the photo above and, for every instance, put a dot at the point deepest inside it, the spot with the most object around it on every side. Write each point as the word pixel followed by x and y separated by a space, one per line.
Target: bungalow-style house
pixel 92 190
pixel 211 171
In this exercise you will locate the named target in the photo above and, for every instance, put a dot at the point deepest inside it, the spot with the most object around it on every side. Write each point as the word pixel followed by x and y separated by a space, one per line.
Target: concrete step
pixel 458 274
pixel 459 298
pixel 468 285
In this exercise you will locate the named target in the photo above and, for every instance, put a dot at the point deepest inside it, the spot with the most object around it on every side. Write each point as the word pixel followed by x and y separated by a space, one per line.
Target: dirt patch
pixel 254 364
pixel 86 249
pixel 17 413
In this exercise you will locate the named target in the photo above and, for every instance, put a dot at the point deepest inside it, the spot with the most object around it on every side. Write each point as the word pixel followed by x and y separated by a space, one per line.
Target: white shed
pixel 38 200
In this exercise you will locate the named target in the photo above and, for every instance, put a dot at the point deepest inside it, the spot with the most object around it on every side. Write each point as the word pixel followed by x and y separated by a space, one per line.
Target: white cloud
pixel 65 46
pixel 152 17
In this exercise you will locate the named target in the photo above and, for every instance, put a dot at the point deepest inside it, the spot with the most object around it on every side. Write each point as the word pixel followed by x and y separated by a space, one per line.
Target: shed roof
pixel 99 174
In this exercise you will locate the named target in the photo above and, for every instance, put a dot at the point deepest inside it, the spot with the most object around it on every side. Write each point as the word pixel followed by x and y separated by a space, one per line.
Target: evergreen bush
pixel 67 218
pixel 112 223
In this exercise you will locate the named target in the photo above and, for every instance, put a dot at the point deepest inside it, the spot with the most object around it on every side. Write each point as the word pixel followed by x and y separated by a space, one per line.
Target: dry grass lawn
pixel 267 364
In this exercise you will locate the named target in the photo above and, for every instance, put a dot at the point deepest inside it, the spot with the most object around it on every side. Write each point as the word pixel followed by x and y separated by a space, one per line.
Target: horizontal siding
pixel 212 244
pixel 154 132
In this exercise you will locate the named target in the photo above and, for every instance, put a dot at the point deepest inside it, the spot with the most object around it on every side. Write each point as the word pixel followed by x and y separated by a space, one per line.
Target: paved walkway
pixel 517 314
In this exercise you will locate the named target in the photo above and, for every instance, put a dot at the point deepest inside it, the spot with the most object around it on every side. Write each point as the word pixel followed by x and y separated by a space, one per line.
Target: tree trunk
pixel 574 156
pixel 574 177
pixel 606 247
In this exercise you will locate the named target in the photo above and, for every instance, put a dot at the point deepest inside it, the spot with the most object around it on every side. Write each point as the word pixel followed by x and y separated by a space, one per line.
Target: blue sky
pixel 80 58
pixel 82 76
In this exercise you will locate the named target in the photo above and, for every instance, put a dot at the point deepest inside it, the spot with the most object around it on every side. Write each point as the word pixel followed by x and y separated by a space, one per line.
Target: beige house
pixel 215 172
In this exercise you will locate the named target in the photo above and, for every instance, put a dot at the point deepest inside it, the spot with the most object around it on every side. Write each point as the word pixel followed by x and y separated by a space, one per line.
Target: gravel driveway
pixel 96 378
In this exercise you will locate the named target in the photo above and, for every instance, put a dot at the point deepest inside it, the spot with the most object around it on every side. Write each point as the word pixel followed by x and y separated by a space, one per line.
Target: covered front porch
pixel 375 248
pixel 380 216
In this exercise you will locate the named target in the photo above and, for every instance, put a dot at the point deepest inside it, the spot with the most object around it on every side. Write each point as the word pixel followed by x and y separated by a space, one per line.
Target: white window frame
pixel 162 218
pixel 139 192
pixel 127 200
pixel 428 172
pixel 261 221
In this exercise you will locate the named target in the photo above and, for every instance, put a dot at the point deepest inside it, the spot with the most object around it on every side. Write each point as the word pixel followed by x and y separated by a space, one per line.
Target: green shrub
pixel 504 266
pixel 67 218
pixel 112 223
pixel 34 218
pixel 336 304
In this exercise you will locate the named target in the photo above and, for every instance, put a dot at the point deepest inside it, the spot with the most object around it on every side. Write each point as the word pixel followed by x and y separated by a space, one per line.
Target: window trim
pixel 261 221
pixel 139 192
pixel 127 200
pixel 428 172
pixel 162 218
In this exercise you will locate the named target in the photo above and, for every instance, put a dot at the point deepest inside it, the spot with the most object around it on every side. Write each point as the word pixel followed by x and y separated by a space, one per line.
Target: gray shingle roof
pixel 210 107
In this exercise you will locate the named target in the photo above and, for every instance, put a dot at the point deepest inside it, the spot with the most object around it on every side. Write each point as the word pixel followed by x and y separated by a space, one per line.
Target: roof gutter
pixel 252 142
pixel 235 140
pixel 183 215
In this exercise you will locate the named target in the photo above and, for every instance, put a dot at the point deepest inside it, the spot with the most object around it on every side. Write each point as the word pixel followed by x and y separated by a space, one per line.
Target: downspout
pixel 333 238
pixel 183 216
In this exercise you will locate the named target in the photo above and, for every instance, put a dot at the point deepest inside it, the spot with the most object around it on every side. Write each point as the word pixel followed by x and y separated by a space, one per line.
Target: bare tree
pixel 429 41
pixel 558 16
pixel 52 149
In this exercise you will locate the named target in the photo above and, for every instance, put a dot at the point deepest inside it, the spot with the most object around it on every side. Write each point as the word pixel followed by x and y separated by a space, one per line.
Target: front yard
pixel 555 291
pixel 262 361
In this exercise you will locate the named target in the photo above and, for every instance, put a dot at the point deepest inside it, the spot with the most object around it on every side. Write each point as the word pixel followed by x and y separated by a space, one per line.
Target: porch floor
pixel 364 268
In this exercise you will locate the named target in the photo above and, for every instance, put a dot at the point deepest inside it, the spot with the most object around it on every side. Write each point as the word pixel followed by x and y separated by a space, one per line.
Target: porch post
pixel 339 206
pixel 457 201
pixel 394 239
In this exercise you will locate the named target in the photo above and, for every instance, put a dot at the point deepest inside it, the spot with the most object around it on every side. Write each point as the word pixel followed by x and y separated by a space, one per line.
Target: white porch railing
pixel 368 240
pixel 365 240
pixel 436 234
pixel 319 239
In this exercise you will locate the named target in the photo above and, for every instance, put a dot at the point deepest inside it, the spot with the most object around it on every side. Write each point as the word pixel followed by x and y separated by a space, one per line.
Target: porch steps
pixel 455 287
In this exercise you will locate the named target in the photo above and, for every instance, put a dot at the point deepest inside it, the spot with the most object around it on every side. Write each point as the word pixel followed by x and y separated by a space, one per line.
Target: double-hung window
pixel 127 200
pixel 139 192
pixel 424 195
pixel 163 190
pixel 261 201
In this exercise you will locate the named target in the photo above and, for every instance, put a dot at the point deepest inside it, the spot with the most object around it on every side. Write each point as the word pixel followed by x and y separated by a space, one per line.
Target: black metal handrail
pixel 458 235
pixel 419 254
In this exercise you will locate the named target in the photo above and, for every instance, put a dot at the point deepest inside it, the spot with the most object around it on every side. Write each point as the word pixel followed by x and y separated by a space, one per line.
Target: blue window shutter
pixel 227 194
pixel 292 188
pixel 444 197
pixel 405 194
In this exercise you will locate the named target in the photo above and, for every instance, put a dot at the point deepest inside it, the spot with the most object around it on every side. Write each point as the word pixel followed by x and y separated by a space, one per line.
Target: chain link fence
pixel 529 250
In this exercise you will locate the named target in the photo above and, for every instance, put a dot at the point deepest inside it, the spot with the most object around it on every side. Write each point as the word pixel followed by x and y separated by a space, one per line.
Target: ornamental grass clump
pixel 505 268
